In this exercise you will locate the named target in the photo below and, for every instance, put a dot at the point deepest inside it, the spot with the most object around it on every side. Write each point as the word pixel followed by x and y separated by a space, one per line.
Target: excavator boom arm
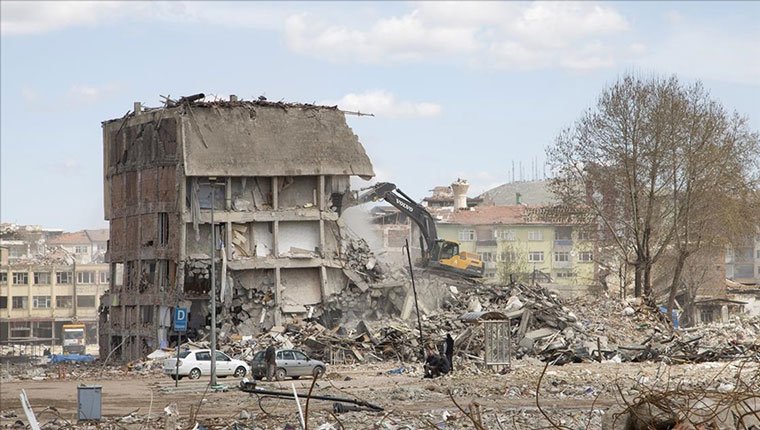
pixel 417 213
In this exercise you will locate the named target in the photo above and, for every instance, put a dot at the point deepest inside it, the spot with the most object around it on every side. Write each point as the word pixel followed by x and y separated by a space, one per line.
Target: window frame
pixel 60 305
pixel 60 274
pixel 467 235
pixel 86 297
pixel 38 275
pixel 538 253
pixel 558 254
pixel 37 300
pixel 16 275
pixel 23 299
pixel 532 235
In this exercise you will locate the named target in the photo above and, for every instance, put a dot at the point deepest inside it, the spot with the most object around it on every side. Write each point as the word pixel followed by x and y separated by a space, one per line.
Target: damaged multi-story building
pixel 272 175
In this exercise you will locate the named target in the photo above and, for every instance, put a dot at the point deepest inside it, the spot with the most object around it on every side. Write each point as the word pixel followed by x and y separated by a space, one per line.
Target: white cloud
pixel 34 17
pixel 89 94
pixel 77 95
pixel 384 104
pixel 22 17
pixel 504 35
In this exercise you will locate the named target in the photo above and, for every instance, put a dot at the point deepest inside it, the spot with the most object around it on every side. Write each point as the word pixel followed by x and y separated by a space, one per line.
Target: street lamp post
pixel 212 182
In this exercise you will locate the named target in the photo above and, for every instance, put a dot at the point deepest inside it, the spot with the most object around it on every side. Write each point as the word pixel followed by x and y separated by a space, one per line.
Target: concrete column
pixel 277 298
pixel 275 193
pixel 30 293
pixel 275 238
pixel 321 193
pixel 228 194
pixel 52 297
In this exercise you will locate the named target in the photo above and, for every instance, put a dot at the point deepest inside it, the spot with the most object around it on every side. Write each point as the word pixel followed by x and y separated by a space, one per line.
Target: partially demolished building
pixel 272 175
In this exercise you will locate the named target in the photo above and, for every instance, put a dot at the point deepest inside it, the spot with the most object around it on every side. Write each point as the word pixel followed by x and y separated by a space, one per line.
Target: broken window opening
pixel 163 228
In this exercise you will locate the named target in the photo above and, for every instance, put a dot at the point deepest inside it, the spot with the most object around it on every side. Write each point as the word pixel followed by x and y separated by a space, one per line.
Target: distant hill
pixel 531 193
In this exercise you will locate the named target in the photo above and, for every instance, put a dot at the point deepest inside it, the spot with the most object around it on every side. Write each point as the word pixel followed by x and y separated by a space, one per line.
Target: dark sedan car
pixel 290 363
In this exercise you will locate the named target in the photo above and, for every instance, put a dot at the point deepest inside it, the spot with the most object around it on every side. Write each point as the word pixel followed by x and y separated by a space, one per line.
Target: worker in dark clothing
pixel 270 360
pixel 436 365
pixel 448 350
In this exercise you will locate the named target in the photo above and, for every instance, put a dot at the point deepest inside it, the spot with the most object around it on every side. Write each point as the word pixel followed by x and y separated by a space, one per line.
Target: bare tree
pixel 714 177
pixel 651 161
pixel 513 265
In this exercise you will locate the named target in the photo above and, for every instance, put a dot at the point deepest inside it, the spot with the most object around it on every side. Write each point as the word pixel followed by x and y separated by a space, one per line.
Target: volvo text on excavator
pixel 438 253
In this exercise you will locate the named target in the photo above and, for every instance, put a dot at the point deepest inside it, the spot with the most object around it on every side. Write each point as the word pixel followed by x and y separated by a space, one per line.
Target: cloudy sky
pixel 459 90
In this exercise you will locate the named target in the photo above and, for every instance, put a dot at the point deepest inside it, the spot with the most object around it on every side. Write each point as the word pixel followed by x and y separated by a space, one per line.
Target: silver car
pixel 195 363
pixel 290 363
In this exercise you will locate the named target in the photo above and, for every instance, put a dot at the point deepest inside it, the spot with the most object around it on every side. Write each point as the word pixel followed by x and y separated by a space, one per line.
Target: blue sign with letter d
pixel 180 319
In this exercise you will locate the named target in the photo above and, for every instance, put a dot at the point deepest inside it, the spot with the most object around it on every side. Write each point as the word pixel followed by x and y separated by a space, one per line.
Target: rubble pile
pixel 361 260
pixel 543 326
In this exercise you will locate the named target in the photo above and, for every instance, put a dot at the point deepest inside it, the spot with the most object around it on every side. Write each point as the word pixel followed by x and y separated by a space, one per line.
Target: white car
pixel 194 363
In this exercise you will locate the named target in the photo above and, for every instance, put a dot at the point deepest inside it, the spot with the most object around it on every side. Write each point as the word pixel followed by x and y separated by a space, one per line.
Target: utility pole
pixel 416 305
pixel 212 182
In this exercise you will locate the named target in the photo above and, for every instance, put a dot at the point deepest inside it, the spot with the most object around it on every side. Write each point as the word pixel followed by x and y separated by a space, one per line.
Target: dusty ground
pixel 576 396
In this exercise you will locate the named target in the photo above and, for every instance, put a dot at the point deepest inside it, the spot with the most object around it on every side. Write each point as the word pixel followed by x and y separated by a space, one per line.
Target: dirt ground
pixel 575 396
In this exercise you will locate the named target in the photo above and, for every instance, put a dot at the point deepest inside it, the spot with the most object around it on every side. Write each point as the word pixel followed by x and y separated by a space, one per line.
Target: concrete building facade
pixel 526 239
pixel 37 299
pixel 275 175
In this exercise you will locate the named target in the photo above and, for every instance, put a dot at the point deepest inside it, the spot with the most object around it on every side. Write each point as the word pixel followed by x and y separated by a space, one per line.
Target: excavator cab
pixel 445 254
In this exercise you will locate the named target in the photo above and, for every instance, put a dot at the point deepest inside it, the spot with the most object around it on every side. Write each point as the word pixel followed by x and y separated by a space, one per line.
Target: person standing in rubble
pixel 448 350
pixel 270 359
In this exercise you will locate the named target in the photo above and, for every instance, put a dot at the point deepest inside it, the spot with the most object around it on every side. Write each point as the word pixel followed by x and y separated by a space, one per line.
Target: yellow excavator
pixel 437 253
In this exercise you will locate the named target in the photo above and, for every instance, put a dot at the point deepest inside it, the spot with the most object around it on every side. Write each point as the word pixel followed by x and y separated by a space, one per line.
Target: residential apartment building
pixel 272 176
pixel 37 299
pixel 86 246
pixel 742 261
pixel 530 239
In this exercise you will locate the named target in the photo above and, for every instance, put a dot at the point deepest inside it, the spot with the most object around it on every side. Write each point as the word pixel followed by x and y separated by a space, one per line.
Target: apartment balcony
pixel 562 264
pixel 563 242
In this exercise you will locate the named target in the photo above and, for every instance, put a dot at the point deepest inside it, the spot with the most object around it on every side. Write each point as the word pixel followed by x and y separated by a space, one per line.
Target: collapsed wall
pixel 272 175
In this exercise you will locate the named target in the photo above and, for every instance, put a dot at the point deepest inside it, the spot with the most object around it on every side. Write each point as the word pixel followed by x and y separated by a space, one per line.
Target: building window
pixel 758 254
pixel 565 274
pixel 706 315
pixel 3 302
pixel 64 302
pixel 4 277
pixel 20 329
pixel 41 302
pixel 20 278
pixel 162 269
pixel 466 235
pixel 80 249
pixel 42 329
pixel 585 234
pixel 509 235
pixel 86 301
pixel 486 256
pixel 508 256
pixel 86 277
pixel 62 277
pixel 42 278
pixel 20 302
pixel 561 256
pixel 536 256
pixel 586 256
pixel 163 228
pixel 535 235
pixel 105 277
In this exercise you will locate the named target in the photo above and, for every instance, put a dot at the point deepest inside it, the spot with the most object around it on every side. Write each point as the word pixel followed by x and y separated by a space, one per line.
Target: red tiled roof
pixel 76 238
pixel 484 215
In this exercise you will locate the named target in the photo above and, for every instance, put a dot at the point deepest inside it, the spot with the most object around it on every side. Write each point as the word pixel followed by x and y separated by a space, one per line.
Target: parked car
pixel 290 363
pixel 194 363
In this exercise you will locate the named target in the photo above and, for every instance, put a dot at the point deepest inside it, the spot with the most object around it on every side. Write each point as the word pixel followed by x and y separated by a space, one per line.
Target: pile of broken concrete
pixel 543 326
